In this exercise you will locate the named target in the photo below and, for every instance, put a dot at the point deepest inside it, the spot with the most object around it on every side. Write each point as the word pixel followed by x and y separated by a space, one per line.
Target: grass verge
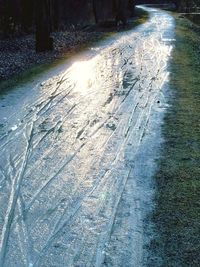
pixel 177 213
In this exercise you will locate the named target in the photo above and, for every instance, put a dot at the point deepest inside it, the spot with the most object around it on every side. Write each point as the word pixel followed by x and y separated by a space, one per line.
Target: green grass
pixel 177 214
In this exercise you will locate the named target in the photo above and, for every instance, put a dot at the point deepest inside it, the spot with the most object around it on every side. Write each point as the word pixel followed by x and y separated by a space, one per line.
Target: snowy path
pixel 77 153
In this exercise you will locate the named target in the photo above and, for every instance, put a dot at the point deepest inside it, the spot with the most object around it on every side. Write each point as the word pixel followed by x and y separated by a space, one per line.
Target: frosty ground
pixel 78 150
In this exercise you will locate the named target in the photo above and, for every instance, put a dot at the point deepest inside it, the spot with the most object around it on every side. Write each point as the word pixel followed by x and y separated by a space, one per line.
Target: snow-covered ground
pixel 77 153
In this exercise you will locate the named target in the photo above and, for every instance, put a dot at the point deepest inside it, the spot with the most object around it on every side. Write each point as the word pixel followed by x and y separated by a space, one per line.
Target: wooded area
pixel 45 16
pixel 99 133
pixel 19 15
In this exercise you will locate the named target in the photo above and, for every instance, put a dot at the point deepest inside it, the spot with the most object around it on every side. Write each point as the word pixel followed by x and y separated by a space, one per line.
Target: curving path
pixel 77 153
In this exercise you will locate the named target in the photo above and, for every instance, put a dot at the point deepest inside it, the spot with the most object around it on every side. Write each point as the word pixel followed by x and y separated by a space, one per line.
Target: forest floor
pixel 177 214
pixel 17 55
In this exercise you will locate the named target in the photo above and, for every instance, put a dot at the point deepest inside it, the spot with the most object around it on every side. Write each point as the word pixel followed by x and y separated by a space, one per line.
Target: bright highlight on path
pixel 71 146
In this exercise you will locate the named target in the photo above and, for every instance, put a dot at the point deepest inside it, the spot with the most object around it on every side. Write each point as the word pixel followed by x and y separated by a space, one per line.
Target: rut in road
pixel 69 149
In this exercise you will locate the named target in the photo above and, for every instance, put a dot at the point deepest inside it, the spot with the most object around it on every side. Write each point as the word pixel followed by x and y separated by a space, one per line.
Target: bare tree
pixel 44 42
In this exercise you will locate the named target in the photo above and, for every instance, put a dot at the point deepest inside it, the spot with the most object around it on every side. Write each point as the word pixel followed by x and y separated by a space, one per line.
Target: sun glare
pixel 82 75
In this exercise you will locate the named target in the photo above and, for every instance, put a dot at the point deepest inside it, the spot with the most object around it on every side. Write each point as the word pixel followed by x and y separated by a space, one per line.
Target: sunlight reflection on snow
pixel 82 75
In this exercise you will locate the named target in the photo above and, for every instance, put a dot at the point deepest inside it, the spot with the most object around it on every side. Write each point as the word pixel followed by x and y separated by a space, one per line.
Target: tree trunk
pixel 7 18
pixel 121 12
pixel 95 11
pixel 44 42
pixel 55 14
pixel 27 15
pixel 132 8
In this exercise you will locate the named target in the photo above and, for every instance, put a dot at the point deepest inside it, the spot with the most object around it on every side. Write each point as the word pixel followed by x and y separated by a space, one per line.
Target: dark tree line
pixel 187 5
pixel 21 15
pixel 45 16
